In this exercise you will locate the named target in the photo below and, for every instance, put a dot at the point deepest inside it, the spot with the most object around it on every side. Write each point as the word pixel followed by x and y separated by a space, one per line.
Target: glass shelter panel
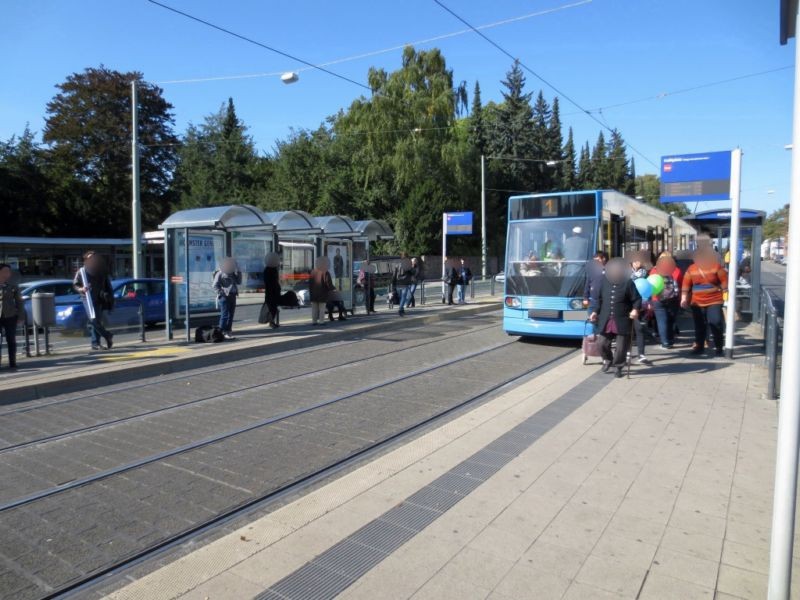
pixel 249 249
pixel 340 259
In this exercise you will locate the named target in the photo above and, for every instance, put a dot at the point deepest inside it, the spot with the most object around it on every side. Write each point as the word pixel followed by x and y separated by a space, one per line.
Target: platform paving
pixel 654 487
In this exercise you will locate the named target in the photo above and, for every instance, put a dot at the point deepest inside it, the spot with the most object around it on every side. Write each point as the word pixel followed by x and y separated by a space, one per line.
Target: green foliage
pixel 218 163
pixel 88 158
pixel 776 224
pixel 647 188
pixel 24 188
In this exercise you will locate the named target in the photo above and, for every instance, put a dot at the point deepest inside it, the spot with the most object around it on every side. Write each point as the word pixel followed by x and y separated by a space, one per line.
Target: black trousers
pixel 8 329
pixel 450 289
pixel 619 357
pixel 705 318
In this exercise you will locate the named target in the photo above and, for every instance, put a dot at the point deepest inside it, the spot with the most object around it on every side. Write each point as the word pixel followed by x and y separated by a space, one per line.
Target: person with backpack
pixel 12 310
pixel 272 287
pixel 226 285
pixel 319 286
pixel 666 304
pixel 94 285
pixel 638 271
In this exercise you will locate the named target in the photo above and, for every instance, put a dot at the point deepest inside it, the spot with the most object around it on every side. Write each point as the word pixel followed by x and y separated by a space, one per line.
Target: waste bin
pixel 43 307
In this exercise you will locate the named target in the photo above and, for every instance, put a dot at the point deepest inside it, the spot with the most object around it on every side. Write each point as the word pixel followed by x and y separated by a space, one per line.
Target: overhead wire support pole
pixel 785 495
pixel 136 204
pixel 484 248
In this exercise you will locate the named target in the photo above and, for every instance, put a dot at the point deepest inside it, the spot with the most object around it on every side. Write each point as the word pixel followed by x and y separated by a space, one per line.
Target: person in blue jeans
pixel 226 285
pixel 94 286
pixel 667 304
pixel 410 278
pixel 464 279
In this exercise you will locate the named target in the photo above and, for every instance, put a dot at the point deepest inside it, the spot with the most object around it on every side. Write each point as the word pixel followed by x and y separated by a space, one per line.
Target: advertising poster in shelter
pixel 205 255
pixel 339 265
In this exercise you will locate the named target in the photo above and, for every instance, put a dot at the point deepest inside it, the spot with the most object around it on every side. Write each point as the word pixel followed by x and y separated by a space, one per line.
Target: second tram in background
pixel 552 237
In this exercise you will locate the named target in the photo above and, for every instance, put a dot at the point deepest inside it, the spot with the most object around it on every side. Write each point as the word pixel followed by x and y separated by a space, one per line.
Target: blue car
pixel 129 295
pixel 59 287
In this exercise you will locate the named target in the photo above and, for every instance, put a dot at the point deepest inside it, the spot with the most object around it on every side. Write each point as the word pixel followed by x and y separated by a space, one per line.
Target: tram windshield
pixel 549 257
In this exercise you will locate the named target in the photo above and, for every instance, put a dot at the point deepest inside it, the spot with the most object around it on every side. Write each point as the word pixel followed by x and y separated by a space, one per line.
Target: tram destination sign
pixel 696 177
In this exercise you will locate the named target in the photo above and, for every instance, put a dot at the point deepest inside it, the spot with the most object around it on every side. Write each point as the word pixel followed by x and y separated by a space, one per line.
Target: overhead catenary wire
pixel 662 95
pixel 394 48
pixel 261 45
pixel 567 97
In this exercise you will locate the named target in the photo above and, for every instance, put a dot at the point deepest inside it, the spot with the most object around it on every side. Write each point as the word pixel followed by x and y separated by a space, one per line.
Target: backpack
pixel 207 334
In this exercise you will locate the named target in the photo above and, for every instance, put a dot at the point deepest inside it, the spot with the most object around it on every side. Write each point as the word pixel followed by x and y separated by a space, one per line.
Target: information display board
pixel 701 177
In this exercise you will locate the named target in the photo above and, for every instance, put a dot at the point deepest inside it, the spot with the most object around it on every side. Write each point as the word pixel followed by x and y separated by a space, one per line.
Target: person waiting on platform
pixel 366 279
pixel 319 286
pixel 335 303
pixel 638 271
pixel 704 286
pixel 226 285
pixel 12 310
pixel 464 279
pixel 450 280
pixel 272 287
pixel 617 302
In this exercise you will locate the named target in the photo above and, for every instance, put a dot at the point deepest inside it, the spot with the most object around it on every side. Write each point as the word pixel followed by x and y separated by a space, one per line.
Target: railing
pixel 772 328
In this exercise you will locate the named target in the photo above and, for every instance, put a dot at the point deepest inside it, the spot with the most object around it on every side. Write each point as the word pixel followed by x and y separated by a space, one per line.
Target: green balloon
pixel 657 281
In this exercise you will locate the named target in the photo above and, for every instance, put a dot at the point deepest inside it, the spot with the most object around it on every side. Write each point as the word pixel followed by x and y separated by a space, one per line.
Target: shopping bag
pixel 264 315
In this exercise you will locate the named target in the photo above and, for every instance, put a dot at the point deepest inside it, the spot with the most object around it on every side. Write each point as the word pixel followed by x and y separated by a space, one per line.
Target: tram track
pixel 262 501
pixel 79 516
pixel 216 397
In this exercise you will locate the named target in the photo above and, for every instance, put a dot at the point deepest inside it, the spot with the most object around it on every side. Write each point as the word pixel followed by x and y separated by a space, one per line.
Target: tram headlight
pixel 576 304
pixel 512 302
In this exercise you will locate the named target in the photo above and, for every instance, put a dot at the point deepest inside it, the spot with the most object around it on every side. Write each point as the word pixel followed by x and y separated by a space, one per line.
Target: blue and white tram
pixel 551 239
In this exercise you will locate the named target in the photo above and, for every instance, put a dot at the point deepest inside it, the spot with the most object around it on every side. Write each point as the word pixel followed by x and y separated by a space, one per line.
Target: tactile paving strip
pixel 333 571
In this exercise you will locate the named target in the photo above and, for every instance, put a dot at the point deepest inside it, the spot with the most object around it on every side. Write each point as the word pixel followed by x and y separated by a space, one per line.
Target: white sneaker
pixel 228 336
pixel 643 360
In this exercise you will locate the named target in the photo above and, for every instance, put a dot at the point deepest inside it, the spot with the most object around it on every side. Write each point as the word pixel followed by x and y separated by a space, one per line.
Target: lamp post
pixel 484 245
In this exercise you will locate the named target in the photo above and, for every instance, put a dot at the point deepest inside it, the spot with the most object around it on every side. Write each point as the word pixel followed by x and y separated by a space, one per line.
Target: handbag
pixel 264 315
pixel 591 345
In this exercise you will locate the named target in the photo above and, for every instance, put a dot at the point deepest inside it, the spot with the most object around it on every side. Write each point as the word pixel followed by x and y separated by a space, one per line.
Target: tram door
pixel 340 258
pixel 614 234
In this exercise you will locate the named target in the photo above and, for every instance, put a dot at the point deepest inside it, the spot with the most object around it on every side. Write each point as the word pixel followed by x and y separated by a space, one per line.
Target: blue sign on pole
pixel 696 177
pixel 458 223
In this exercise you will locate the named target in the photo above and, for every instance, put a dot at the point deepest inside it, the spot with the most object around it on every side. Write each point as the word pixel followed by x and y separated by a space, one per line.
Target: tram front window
pixel 548 257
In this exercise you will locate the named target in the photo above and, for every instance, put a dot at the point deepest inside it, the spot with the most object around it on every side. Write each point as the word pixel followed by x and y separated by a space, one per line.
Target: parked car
pixel 500 277
pixel 59 287
pixel 129 295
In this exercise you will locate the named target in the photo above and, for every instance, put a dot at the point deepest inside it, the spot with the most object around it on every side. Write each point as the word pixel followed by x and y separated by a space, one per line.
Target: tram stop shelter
pixel 195 243
pixel 717 224
pixel 367 233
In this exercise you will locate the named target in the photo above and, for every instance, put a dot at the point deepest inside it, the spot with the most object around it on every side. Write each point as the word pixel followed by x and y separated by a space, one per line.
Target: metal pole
pixel 186 266
pixel 444 256
pixel 484 249
pixel 733 249
pixel 136 206
pixel 783 508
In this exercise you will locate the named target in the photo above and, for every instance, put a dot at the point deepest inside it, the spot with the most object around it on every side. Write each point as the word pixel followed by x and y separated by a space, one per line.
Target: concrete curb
pixel 216 354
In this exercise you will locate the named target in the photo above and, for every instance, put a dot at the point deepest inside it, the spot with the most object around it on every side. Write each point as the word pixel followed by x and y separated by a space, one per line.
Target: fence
pixel 772 328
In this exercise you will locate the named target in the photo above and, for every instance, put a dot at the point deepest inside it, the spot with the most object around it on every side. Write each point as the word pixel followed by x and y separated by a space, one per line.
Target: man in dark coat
pixel 94 285
pixel 617 303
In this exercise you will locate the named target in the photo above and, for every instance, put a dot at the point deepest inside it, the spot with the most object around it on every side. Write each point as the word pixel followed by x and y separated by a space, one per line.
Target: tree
pixel 601 167
pixel 88 133
pixel 478 131
pixel 218 163
pixel 554 147
pixel 569 179
pixel 647 188
pixel 24 188
pixel 776 224
pixel 585 173
pixel 618 167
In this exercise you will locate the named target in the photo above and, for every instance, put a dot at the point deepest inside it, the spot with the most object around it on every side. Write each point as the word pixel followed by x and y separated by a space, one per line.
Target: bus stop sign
pixel 696 177
pixel 458 223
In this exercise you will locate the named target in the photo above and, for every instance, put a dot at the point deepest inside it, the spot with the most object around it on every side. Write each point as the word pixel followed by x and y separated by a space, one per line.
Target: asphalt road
pixel 773 276
pixel 92 478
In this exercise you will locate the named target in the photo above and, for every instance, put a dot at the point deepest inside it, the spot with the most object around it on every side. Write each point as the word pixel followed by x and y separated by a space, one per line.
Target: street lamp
pixel 290 77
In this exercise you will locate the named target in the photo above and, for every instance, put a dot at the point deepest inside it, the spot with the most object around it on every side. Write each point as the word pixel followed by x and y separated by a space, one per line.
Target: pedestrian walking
pixel 703 290
pixel 94 286
pixel 640 323
pixel 12 310
pixel 410 278
pixel 667 304
pixel 272 287
pixel 320 285
pixel 366 279
pixel 226 285
pixel 450 280
pixel 464 279
pixel 617 302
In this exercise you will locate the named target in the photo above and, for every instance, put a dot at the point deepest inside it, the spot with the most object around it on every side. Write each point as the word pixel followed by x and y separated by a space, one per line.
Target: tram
pixel 551 237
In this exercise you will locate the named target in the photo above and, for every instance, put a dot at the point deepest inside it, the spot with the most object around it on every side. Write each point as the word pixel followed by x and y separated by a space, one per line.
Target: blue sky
pixel 600 53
